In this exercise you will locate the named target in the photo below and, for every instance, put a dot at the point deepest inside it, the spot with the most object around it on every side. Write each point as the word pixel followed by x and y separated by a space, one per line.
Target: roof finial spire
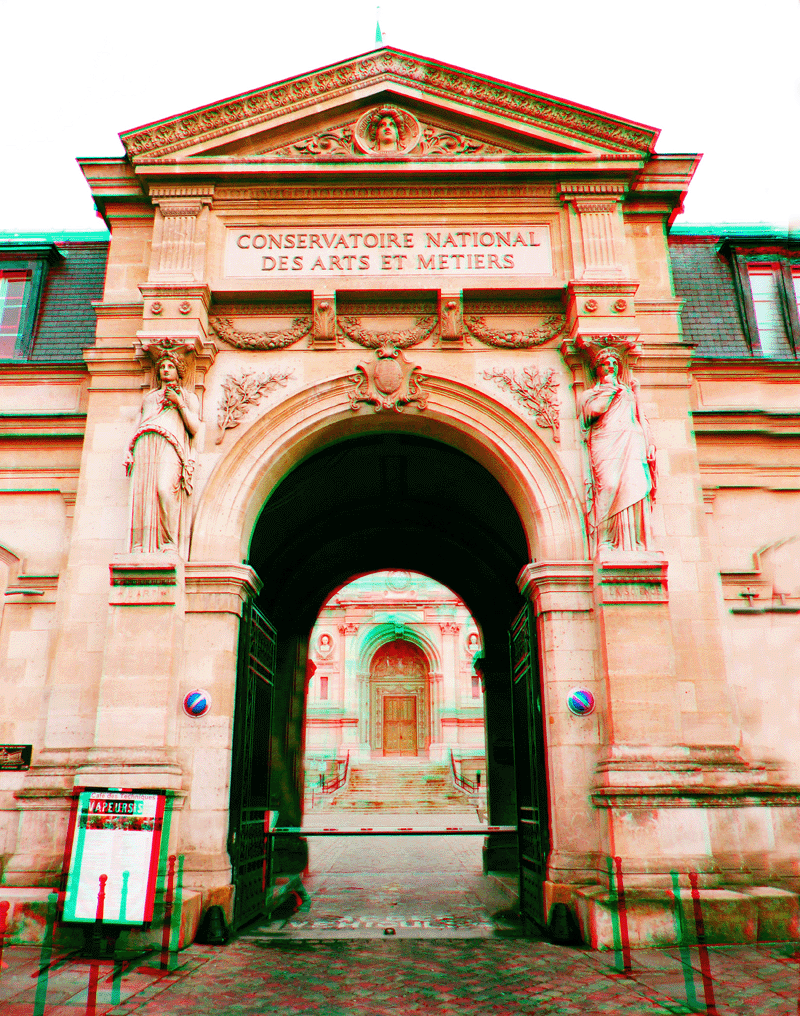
pixel 378 33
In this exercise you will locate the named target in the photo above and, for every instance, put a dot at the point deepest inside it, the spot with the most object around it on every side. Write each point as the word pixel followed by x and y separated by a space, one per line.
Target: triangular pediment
pixel 387 103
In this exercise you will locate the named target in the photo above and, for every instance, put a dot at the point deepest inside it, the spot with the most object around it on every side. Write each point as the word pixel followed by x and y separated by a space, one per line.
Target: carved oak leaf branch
pixel 448 143
pixel 539 394
pixel 300 327
pixel 515 339
pixel 239 393
pixel 351 327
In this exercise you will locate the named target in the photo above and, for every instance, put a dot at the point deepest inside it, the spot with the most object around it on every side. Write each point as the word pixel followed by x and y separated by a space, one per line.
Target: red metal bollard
pixel 702 948
pixel 94 963
pixel 623 921
pixel 169 897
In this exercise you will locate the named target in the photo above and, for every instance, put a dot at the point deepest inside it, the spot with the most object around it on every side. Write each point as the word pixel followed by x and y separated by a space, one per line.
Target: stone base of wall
pixel 27 920
pixel 653 918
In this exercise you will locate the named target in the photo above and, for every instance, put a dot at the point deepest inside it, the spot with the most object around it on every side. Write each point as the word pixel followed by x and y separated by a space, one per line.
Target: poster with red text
pixel 114 857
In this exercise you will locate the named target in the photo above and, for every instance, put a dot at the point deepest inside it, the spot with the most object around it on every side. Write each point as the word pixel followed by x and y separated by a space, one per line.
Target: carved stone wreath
pixel 478 328
pixel 403 339
pixel 300 327
pixel 539 394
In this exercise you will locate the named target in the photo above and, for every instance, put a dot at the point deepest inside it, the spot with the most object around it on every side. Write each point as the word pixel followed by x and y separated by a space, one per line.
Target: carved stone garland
pixel 239 393
pixel 539 394
pixel 300 327
pixel 478 328
pixel 423 326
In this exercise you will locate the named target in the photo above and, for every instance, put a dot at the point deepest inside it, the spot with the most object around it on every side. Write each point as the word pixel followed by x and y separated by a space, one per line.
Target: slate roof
pixel 66 321
pixel 704 279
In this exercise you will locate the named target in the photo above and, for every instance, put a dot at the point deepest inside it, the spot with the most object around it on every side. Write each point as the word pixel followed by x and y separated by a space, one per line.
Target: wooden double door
pixel 400 725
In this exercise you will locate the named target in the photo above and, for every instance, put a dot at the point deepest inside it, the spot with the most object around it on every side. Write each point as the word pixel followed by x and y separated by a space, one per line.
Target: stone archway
pixel 482 494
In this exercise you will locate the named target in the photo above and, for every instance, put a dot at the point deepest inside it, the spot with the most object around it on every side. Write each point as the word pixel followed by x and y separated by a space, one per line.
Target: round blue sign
pixel 580 702
pixel 197 703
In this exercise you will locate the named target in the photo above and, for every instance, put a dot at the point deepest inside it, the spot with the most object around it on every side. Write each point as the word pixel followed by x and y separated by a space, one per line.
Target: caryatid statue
pixel 622 457
pixel 161 461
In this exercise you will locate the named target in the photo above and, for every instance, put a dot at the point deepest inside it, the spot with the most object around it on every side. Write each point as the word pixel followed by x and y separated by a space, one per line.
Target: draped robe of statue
pixel 623 477
pixel 162 463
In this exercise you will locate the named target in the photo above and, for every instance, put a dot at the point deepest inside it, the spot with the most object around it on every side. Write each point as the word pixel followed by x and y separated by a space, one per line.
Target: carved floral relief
pixel 242 392
pixel 385 130
pixel 537 392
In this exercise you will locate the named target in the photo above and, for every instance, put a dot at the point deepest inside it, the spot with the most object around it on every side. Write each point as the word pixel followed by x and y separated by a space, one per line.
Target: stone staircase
pixel 399 785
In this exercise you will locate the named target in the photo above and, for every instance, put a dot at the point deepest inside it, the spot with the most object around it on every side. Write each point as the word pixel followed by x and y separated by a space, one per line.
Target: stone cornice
pixel 219 587
pixel 676 796
pixel 388 66
pixel 557 585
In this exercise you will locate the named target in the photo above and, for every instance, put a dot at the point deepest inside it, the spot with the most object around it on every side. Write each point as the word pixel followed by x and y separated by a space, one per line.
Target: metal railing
pixel 330 786
pixel 461 781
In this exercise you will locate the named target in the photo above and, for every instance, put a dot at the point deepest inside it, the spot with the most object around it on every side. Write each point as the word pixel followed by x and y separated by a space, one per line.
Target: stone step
pixel 425 787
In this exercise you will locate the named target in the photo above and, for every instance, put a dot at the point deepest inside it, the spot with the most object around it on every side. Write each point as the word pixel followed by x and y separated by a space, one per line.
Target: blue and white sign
pixel 197 703
pixel 580 702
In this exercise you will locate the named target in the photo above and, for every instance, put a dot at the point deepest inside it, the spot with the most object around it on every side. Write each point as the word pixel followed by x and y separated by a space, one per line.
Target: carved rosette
pixel 389 381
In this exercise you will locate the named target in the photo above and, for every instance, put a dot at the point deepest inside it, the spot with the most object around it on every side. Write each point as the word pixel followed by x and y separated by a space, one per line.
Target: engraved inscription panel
pixel 292 254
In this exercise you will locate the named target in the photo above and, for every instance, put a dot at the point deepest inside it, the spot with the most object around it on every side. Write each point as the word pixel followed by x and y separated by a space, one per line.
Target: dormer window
pixel 23 268
pixel 766 273
pixel 770 324
pixel 13 286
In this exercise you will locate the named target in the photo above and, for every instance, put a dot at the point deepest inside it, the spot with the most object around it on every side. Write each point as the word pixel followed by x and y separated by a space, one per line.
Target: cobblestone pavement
pixel 455 950
pixel 373 977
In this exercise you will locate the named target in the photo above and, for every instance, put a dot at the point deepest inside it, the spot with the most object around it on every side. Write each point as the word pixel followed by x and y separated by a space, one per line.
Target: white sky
pixel 721 77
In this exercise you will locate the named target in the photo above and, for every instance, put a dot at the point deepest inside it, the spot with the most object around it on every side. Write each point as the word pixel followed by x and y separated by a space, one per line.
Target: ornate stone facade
pixel 448 343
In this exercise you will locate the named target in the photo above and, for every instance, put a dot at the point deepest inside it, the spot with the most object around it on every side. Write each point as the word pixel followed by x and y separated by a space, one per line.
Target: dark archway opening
pixel 388 501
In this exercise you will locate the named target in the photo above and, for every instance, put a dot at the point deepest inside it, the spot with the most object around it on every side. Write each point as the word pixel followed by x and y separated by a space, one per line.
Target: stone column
pixel 180 232
pixel 561 593
pixel 449 702
pixel 350 689
pixel 436 747
pixel 214 596
pixel 598 237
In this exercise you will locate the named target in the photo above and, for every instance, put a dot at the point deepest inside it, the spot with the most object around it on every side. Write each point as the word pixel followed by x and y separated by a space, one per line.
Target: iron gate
pixel 248 847
pixel 529 763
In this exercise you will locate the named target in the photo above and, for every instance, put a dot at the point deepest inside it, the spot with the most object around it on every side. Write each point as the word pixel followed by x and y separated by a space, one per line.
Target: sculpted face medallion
pixel 386 130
